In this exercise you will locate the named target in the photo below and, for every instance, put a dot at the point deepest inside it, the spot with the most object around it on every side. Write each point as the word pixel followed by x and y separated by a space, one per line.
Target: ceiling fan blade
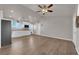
pixel 50 5
pixel 40 6
pixel 49 10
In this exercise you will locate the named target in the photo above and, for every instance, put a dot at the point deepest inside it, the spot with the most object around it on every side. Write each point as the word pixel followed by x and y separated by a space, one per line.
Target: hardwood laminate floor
pixel 38 45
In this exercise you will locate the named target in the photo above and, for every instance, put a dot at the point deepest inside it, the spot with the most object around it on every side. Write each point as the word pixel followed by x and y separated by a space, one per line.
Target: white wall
pixel 37 28
pixel 57 27
pixel 74 25
pixel 58 24
pixel 77 41
pixel 78 10
pixel 75 29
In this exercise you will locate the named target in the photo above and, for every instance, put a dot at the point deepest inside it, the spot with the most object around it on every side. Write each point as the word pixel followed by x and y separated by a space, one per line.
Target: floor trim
pixel 55 37
pixel 76 48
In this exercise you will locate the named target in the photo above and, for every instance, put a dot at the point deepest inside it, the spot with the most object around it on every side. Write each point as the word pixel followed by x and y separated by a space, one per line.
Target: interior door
pixel 5 32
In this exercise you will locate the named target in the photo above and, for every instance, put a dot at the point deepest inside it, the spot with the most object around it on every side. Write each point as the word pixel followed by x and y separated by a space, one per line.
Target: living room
pixel 36 33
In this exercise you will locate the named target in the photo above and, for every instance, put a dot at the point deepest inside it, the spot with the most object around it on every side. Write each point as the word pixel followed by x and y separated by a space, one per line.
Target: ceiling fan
pixel 45 9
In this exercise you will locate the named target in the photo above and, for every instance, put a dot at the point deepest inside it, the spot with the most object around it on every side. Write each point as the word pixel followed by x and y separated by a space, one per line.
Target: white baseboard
pixel 76 48
pixel 57 37
pixel 63 38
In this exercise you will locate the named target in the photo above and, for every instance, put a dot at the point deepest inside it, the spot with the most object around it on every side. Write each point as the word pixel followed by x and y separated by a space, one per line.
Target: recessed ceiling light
pixel 11 11
pixel 10 16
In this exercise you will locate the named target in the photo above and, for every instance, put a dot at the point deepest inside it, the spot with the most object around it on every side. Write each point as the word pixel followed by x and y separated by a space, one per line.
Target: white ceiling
pixel 18 12
pixel 59 9
pixel 28 11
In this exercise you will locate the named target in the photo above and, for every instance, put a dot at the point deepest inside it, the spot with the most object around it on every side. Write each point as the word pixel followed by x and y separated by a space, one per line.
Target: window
pixel 16 25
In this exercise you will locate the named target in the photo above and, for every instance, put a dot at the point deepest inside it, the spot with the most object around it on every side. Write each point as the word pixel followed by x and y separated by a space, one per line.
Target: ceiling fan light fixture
pixel 45 9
